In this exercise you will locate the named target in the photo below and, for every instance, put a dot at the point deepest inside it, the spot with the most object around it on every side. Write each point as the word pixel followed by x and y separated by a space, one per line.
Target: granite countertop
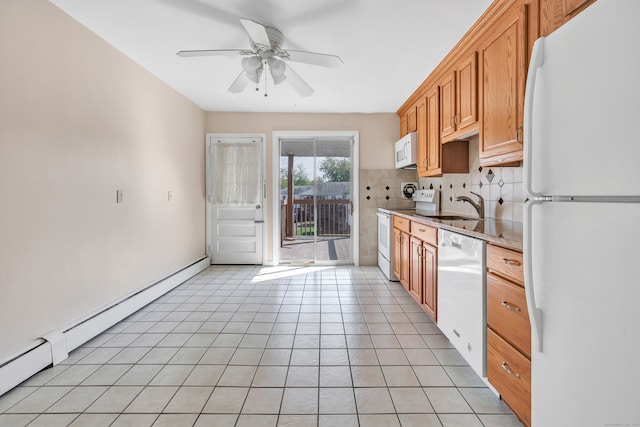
pixel 499 231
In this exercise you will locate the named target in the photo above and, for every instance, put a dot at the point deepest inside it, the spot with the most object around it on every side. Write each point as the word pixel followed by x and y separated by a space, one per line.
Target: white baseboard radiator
pixel 55 346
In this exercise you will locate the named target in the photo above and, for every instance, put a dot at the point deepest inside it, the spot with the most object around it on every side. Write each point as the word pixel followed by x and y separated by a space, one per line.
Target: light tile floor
pixel 265 346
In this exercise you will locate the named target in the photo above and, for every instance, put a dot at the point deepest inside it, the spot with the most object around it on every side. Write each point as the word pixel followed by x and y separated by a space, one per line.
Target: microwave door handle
pixel 407 148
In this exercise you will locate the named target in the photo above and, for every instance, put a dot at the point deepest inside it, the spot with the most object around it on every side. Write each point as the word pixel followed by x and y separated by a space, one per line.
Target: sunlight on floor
pixel 271 273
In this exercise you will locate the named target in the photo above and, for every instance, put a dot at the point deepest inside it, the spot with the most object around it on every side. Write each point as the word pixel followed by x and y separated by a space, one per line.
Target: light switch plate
pixel 169 196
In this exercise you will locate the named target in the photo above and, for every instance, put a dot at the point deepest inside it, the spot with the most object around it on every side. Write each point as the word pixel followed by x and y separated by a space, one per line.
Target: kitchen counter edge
pixel 497 231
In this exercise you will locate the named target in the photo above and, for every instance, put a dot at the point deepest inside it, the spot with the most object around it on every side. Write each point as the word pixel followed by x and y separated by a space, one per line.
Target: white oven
pixel 385 240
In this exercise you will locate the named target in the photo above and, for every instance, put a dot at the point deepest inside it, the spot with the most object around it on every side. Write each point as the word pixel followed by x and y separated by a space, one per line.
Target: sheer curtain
pixel 237 173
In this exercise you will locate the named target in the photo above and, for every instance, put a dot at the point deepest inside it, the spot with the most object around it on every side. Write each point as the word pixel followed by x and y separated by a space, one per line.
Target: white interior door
pixel 235 199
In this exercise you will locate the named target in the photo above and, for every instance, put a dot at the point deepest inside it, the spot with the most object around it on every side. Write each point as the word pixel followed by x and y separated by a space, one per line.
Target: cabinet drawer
pixel 507 313
pixel 510 373
pixel 401 223
pixel 425 233
pixel 506 263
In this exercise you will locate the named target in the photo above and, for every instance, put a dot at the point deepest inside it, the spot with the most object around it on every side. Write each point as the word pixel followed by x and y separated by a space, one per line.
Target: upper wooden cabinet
pixel 403 125
pixel 434 159
pixel 459 98
pixel 467 92
pixel 409 122
pixel 503 70
pixel 479 86
pixel 432 137
pixel 422 138
pixel 555 13
pixel 412 120
pixel 448 105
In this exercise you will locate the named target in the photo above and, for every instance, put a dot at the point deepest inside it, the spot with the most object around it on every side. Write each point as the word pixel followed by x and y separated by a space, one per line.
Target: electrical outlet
pixel 119 196
pixel 169 196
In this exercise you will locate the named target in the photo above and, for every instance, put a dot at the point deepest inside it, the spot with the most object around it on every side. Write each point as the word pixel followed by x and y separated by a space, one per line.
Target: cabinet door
pixel 573 6
pixel 432 119
pixel 448 104
pixel 555 13
pixel 397 252
pixel 405 268
pixel 415 282
pixel 430 281
pixel 466 92
pixel 503 73
pixel 423 150
pixel 412 121
pixel 403 125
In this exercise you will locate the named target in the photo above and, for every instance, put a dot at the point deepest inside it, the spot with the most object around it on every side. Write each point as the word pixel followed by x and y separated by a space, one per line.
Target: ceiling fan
pixel 267 53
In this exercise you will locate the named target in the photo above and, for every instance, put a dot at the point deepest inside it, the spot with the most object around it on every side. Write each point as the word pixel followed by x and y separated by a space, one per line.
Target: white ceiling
pixel 388 46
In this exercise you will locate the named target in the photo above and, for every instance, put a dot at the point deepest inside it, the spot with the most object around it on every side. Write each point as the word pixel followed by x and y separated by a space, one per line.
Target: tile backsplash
pixel 501 188
pixel 379 188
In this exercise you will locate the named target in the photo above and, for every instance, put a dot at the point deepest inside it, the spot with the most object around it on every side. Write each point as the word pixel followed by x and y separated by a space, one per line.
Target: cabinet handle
pixel 418 251
pixel 510 307
pixel 511 262
pixel 509 371
pixel 422 230
pixel 456 119
pixel 518 137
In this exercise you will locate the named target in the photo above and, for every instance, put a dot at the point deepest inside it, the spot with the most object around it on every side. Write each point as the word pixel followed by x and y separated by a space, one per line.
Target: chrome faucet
pixel 479 207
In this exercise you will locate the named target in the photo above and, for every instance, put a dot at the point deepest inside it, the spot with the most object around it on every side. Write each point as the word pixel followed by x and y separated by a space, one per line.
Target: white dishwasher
pixel 462 296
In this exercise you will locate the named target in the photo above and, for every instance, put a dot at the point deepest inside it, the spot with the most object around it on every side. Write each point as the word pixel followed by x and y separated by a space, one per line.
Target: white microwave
pixel 406 151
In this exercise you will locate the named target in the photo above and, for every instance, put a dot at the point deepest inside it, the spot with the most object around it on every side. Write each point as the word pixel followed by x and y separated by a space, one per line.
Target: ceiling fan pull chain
pixel 265 80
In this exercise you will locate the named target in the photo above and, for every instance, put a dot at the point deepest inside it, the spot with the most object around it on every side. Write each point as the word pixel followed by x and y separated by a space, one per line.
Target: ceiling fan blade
pixel 213 52
pixel 239 84
pixel 321 59
pixel 298 84
pixel 257 32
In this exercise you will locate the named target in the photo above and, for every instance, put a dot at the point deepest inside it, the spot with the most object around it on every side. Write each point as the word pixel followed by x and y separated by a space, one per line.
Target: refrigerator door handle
pixel 537 59
pixel 535 314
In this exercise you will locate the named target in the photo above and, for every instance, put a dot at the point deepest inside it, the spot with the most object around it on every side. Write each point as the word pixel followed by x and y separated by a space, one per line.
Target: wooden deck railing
pixel 333 218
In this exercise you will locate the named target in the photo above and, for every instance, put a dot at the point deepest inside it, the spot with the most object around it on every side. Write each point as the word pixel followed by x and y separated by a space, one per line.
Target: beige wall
pixel 377 133
pixel 78 121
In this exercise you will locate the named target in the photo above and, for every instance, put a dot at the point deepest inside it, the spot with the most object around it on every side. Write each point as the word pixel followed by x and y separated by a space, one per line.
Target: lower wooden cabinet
pixel 416 263
pixel 508 331
pixel 430 281
pixel 510 373
pixel 507 313
pixel 415 282
pixel 401 267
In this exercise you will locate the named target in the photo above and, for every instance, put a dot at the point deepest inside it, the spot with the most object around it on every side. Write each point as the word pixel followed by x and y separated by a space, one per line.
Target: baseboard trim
pixel 55 346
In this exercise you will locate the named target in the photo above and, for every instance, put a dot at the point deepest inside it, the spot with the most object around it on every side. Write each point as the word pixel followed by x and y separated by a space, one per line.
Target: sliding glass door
pixel 316 200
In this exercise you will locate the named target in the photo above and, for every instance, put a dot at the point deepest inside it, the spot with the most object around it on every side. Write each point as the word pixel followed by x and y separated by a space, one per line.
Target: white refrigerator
pixel 582 219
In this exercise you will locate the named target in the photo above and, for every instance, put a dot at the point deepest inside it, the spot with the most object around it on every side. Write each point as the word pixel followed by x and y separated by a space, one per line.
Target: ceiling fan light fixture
pixel 278 79
pixel 277 69
pixel 251 64
pixel 253 68
pixel 255 75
